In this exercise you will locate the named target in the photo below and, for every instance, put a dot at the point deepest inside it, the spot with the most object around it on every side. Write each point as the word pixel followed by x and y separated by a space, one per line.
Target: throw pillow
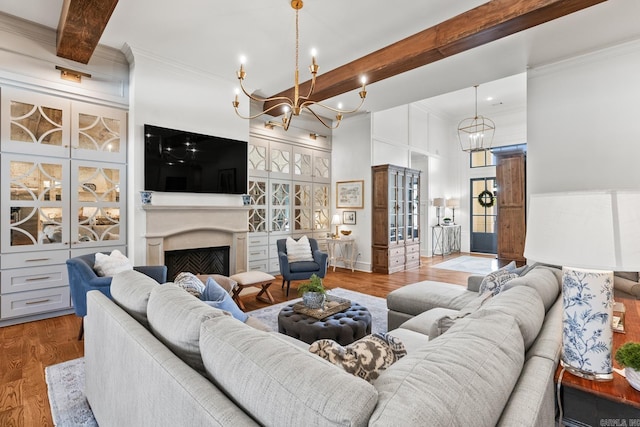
pixel 494 281
pixel 365 358
pixel 216 296
pixel 190 283
pixel 300 250
pixel 112 264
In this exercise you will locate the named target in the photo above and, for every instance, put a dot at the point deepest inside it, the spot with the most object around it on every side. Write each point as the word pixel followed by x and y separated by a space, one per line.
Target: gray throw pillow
pixel 365 358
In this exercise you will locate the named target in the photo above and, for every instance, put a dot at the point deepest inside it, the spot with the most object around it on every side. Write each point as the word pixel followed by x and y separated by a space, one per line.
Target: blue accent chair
pixel 82 279
pixel 301 270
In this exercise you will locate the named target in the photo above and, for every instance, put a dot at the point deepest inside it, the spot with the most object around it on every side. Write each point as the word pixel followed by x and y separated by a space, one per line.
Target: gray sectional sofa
pixel 156 356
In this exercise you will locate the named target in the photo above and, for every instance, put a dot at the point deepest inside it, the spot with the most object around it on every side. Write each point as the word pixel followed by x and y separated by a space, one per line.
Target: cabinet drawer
pixel 34 302
pixel 30 279
pixel 258 252
pixel 260 265
pixel 257 240
pixel 33 259
pixel 274 266
pixel 396 261
pixel 396 252
pixel 412 249
pixel 412 257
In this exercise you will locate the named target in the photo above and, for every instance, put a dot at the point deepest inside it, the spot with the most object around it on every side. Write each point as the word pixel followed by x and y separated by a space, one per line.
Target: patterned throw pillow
pixel 190 283
pixel 112 264
pixel 300 250
pixel 365 358
pixel 495 281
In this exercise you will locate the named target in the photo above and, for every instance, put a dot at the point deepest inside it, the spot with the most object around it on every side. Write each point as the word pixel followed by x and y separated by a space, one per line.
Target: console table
pixel 597 403
pixel 342 250
pixel 445 239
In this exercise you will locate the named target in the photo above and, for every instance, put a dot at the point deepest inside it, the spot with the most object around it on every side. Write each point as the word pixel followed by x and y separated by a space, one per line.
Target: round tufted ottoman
pixel 344 327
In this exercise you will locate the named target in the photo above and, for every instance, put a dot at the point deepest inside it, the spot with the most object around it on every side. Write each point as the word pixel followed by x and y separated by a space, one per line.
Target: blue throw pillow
pixel 216 296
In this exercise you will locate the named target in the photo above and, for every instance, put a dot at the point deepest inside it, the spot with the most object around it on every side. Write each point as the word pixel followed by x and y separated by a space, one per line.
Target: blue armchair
pixel 301 270
pixel 82 279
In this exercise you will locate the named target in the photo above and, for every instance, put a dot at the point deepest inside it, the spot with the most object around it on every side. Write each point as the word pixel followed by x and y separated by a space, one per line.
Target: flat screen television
pixel 187 162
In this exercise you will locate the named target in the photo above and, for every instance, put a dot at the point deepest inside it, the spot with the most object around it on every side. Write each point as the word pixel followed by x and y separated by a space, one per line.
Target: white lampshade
pixel 439 202
pixel 335 220
pixel 453 202
pixel 596 230
pixel 591 234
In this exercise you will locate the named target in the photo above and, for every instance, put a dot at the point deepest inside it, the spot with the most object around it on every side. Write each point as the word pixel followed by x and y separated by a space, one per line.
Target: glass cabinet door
pixel 34 203
pixel 280 206
pixel 393 207
pixel 258 156
pixel 413 206
pixel 302 164
pixel 258 211
pixel 321 166
pixel 98 210
pixel 401 212
pixel 280 163
pixel 98 133
pixel 321 207
pixel 302 205
pixel 34 123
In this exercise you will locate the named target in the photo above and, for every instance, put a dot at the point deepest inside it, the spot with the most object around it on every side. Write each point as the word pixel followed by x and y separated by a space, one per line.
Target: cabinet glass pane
pixel 302 164
pixel 302 211
pixel 280 206
pixel 36 124
pixel 257 157
pixel 322 168
pixel 258 192
pixel 321 207
pixel 36 203
pixel 257 220
pixel 98 197
pixel 98 133
pixel 280 160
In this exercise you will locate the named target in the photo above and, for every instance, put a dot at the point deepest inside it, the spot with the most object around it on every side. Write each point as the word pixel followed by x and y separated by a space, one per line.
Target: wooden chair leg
pixel 282 287
pixel 288 286
pixel 81 333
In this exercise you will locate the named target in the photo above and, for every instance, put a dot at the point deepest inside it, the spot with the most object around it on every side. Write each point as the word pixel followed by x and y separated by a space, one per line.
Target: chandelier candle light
pixel 293 107
pixel 476 134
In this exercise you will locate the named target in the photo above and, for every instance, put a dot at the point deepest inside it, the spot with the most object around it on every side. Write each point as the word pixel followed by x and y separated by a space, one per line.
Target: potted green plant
pixel 628 356
pixel 313 292
pixel 446 221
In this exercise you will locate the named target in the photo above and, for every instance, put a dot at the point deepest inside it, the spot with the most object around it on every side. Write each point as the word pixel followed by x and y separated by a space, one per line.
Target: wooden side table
pixel 600 403
pixel 344 250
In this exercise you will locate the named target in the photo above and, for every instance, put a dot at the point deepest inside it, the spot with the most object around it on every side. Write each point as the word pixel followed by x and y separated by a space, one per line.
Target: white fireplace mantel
pixel 174 227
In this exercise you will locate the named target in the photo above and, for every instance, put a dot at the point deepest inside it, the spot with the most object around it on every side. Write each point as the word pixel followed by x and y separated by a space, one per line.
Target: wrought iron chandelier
pixel 476 134
pixel 293 107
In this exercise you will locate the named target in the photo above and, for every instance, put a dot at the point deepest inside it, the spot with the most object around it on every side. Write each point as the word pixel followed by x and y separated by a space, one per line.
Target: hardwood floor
pixel 26 349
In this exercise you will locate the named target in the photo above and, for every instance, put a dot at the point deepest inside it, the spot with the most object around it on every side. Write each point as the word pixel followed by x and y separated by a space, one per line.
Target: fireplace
pixel 213 260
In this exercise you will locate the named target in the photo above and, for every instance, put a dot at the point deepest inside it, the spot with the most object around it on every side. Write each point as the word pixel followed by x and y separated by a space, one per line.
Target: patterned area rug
pixel 376 306
pixel 470 264
pixel 65 381
pixel 69 407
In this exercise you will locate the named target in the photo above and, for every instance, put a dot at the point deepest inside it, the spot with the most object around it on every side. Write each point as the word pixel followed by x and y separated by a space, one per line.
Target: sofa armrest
pixel 626 288
pixel 99 282
pixel 473 282
pixel 284 264
pixel 321 258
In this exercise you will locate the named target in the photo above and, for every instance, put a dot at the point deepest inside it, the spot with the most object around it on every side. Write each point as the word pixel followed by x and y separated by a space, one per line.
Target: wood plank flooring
pixel 26 349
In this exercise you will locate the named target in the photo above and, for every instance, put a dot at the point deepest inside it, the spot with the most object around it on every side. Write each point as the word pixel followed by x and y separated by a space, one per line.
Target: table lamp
pixel 438 202
pixel 335 220
pixel 453 203
pixel 591 235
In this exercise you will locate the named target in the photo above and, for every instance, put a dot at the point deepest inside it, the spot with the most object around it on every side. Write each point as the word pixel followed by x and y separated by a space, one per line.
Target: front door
pixel 484 208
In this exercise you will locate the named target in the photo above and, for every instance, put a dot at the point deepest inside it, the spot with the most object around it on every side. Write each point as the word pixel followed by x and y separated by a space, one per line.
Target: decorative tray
pixel 332 305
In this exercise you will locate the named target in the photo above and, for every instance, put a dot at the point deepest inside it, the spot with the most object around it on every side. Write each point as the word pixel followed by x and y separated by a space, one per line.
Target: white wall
pixel 583 122
pixel 351 160
pixel 168 95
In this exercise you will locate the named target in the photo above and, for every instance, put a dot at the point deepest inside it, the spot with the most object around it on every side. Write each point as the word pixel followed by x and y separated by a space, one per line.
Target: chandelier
pixel 476 134
pixel 293 107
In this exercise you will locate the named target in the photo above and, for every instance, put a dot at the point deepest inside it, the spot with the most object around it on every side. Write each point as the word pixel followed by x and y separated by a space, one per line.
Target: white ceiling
pixel 211 36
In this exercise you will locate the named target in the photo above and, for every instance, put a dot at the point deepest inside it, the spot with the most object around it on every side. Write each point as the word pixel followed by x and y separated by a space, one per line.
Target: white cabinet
pixel 62 187
pixel 289 186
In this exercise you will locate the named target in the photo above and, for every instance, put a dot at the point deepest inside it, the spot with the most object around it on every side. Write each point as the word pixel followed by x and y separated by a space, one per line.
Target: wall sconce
pixel 270 125
pixel 72 75
pixel 315 136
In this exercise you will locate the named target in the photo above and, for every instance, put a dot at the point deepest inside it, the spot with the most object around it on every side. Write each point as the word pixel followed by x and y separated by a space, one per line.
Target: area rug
pixel 470 264
pixel 376 306
pixel 69 407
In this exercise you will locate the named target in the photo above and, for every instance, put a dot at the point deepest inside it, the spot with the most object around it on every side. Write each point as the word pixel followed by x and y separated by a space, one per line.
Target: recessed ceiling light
pixel 489 98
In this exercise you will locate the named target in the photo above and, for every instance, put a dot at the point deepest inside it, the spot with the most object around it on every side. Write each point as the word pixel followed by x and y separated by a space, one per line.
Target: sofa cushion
pixel 463 378
pixel 302 266
pixel 422 296
pixel 279 383
pixel 634 276
pixel 445 322
pixel 365 358
pixel 112 264
pixel 523 304
pixel 423 322
pixel 216 296
pixel 299 250
pixel 544 280
pixel 412 340
pixel 548 343
pixel 175 317
pixel 130 290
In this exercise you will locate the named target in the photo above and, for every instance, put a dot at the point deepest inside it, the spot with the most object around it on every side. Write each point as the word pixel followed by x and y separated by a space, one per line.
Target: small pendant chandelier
pixel 476 134
pixel 288 107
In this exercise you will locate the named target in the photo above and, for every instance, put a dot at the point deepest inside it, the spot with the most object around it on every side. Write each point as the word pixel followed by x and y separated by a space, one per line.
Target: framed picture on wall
pixel 350 194
pixel 349 217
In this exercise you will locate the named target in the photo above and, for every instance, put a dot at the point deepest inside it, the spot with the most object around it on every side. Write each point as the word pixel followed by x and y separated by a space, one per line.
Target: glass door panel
pixel 258 211
pixel 321 207
pixel 302 219
pixel 98 133
pixel 483 215
pixel 280 206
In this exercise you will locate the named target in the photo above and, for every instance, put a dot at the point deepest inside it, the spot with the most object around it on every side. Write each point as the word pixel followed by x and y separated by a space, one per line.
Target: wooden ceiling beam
pixel 486 23
pixel 81 25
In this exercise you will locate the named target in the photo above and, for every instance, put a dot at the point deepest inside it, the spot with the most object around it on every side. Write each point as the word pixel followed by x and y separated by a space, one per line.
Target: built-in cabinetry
pixel 510 178
pixel 289 185
pixel 62 188
pixel 395 235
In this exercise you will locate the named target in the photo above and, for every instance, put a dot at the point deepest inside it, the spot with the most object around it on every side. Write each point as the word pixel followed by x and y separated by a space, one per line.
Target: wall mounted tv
pixel 187 162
